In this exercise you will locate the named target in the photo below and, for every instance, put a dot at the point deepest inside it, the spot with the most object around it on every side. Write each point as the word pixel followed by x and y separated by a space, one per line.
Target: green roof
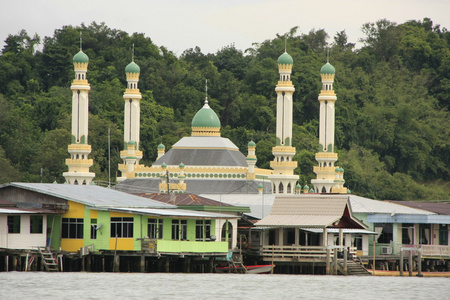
pixel 161 146
pixel 251 144
pixel 206 117
pixel 132 68
pixel 80 57
pixel 285 59
pixel 327 69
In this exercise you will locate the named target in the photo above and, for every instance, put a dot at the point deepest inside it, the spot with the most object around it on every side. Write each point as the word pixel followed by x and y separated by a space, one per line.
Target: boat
pixel 253 269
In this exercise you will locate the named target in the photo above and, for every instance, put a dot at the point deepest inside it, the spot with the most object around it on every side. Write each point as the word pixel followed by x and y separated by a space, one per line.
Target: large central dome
pixel 206 122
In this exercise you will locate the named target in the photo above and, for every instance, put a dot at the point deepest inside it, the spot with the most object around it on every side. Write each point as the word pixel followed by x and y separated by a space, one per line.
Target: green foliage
pixel 392 130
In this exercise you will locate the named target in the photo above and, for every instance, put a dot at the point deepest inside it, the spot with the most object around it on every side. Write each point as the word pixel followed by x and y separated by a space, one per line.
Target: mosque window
pixel 289 188
pixel 280 188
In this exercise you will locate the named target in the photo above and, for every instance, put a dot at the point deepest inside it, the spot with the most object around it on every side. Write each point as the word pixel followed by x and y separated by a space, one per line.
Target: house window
pixel 386 234
pixel 72 228
pixel 358 241
pixel 407 234
pixel 94 229
pixel 36 224
pixel 122 227
pixel 179 229
pixel 202 230
pixel 14 224
pixel 155 228
pixel 443 234
pixel 424 234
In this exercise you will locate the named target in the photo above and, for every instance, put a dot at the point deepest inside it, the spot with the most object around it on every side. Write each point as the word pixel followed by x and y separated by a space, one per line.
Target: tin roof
pixel 370 206
pixel 309 210
pixel 182 199
pixel 175 213
pixel 440 208
pixel 91 195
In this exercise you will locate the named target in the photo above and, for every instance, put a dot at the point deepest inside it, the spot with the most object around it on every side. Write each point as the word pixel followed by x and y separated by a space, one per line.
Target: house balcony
pixel 180 246
pixel 299 253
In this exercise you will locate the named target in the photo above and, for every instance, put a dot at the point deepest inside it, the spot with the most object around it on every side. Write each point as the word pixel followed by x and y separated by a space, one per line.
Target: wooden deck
pixel 299 253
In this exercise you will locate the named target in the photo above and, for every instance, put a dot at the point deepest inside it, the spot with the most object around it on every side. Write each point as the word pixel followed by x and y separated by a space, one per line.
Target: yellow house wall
pixel 76 210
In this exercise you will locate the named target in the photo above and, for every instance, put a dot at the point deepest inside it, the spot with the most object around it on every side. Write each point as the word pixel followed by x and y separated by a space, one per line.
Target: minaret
pixel 132 113
pixel 251 160
pixel 329 177
pixel 79 149
pixel 283 178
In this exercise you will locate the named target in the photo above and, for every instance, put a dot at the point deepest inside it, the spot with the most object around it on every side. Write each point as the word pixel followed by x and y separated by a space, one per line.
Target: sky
pixel 213 24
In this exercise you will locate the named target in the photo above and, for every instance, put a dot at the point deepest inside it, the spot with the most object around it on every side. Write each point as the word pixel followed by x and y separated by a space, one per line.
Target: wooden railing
pixel 435 250
pixel 300 253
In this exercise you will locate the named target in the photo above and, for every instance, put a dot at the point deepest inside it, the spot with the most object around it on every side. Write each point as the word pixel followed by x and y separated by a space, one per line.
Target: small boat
pixel 254 269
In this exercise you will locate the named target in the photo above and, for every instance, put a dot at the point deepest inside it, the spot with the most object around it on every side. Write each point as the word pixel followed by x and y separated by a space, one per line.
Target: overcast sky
pixel 213 24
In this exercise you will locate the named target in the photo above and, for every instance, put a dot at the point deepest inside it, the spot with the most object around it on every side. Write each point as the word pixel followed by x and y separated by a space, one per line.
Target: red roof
pixel 441 208
pixel 182 199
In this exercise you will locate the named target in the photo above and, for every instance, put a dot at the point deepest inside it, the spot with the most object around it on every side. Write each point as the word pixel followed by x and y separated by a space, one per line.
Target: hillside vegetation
pixel 392 119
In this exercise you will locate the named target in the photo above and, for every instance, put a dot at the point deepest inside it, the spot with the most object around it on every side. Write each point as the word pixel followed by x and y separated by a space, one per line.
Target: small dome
pixel 306 187
pixel 298 186
pixel 81 57
pixel 206 117
pixel 163 165
pixel 337 169
pixel 327 69
pixel 251 144
pixel 311 190
pixel 348 191
pixel 181 165
pixel 260 186
pixel 132 68
pixel 285 59
pixel 131 142
pixel 161 146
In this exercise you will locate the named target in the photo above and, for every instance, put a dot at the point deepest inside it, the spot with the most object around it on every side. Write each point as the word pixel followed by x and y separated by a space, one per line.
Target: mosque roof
pixel 327 69
pixel 206 117
pixel 285 59
pixel 132 67
pixel 80 57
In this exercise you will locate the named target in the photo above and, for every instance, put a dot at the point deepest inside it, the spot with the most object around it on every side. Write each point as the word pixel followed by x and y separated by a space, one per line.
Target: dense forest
pixel 392 119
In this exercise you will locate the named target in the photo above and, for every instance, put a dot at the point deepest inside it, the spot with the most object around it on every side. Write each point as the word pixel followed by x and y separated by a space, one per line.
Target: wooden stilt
pixel 401 262
pixel 410 266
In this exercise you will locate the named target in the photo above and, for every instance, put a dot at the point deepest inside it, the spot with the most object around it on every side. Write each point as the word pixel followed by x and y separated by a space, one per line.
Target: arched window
pixel 289 188
pixel 75 182
pixel 280 188
pixel 324 190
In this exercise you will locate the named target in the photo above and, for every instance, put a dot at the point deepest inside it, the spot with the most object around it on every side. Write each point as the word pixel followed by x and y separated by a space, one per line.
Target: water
pixel 40 285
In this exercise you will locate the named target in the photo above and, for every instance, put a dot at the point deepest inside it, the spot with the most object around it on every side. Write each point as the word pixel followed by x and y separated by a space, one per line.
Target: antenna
pixel 132 57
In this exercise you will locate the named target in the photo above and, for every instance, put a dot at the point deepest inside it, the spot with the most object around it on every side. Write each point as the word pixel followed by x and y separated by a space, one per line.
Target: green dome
pixel 306 187
pixel 260 186
pixel 311 190
pixel 132 68
pixel 348 191
pixel 251 144
pixel 327 69
pixel 337 169
pixel 163 165
pixel 285 59
pixel 181 165
pixel 206 117
pixel 80 57
pixel 161 146
pixel 298 186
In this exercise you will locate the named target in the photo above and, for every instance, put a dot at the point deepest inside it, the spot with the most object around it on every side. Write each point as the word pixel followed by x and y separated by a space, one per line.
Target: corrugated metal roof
pixel 368 206
pixel 91 195
pixel 441 208
pixel 336 230
pixel 177 213
pixel 298 220
pixel 12 210
pixel 182 199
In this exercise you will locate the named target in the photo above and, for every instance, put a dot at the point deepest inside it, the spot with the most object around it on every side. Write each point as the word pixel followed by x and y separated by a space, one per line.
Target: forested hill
pixel 392 119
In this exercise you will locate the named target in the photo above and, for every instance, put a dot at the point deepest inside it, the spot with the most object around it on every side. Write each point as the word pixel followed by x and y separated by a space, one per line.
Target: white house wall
pixel 24 239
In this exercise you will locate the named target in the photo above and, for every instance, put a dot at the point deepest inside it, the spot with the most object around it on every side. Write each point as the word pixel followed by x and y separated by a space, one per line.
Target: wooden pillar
pixel 345 260
pixel 335 262
pixel 401 262
pixel 325 237
pixel 103 263
pixel 327 268
pixel 142 264
pixel 116 266
pixel 6 263
pixel 167 266
pixel 410 265
pixel 419 263
pixel 211 264
pixel 26 262
pixel 83 263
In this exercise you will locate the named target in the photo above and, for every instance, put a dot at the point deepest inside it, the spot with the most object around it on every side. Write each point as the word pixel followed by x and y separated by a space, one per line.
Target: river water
pixel 41 285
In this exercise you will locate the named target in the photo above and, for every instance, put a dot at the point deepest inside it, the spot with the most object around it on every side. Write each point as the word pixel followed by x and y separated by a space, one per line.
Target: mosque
pixel 205 162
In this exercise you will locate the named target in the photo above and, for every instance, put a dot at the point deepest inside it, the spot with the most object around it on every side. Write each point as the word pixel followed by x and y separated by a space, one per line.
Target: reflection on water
pixel 21 285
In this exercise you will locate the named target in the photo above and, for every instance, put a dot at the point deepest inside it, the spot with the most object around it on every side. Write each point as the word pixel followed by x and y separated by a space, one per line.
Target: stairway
pixel 49 261
pixel 236 264
pixel 356 268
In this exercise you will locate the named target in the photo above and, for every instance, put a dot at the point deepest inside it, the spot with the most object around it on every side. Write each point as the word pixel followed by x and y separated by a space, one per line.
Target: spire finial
pixel 132 55
pixel 285 44
pixel 206 91
pixel 328 55
pixel 81 41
